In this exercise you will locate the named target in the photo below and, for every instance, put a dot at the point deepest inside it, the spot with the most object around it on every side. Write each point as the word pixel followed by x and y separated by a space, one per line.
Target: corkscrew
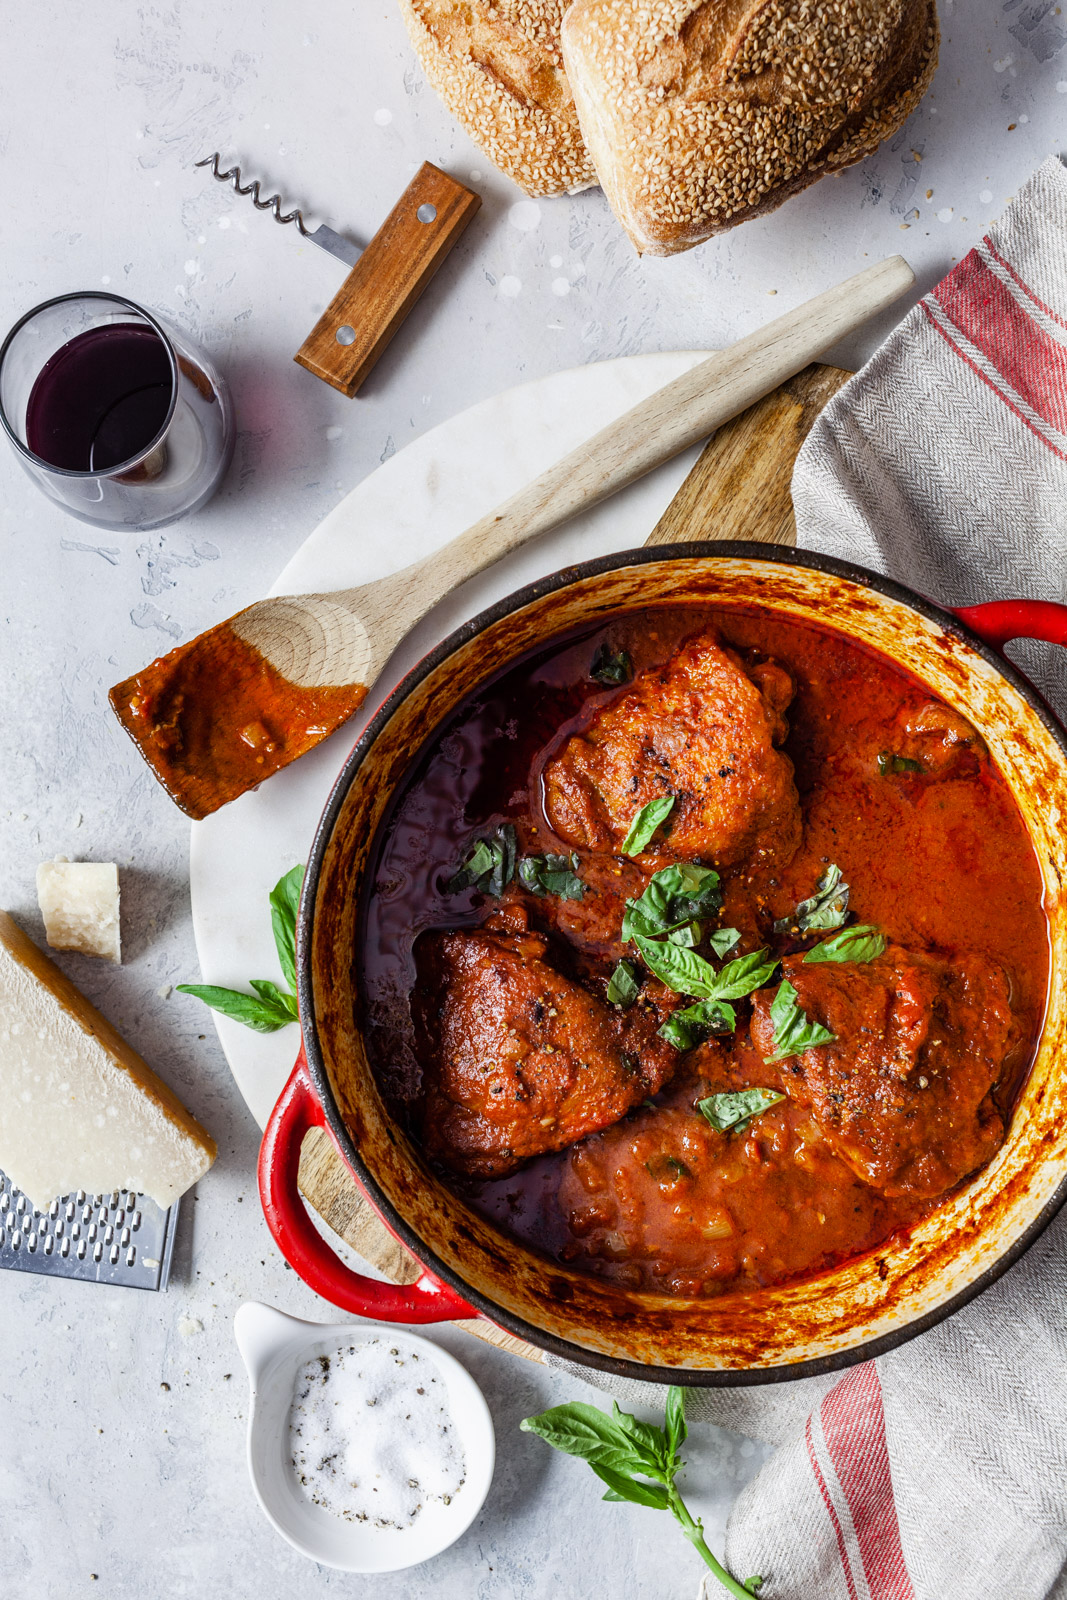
pixel 385 279
pixel 325 237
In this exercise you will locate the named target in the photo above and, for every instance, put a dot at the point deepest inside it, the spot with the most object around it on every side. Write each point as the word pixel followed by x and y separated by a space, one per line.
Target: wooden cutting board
pixel 739 489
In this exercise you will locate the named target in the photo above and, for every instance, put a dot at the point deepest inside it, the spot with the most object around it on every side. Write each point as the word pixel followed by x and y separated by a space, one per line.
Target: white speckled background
pixel 103 1470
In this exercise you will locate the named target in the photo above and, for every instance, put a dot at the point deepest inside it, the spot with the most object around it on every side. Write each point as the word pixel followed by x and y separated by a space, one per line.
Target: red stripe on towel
pixel 1028 359
pixel 831 1512
pixel 1012 407
pixel 1025 287
pixel 853 1425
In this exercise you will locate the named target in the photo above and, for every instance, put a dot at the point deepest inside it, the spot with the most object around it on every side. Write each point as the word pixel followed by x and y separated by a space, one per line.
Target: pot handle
pixel 307 1252
pixel 997 622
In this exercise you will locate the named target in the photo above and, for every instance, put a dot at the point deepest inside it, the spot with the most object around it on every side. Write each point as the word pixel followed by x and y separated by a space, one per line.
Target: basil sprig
pixel 270 1008
pixel 552 874
pixel 735 1108
pixel 675 895
pixel 688 973
pixel 888 763
pixel 794 1030
pixel 623 987
pixel 489 864
pixel 611 669
pixel 638 1462
pixel 645 823
pixel 826 908
pixel 862 942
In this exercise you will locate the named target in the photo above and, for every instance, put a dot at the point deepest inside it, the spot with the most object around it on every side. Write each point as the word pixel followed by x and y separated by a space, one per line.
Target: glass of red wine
pixel 118 419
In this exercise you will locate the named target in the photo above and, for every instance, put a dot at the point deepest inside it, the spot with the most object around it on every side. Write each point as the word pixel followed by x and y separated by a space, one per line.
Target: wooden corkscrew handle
pixel 388 278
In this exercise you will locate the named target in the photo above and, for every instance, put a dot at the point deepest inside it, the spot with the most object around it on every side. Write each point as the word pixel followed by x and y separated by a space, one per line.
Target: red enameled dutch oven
pixel 470 1269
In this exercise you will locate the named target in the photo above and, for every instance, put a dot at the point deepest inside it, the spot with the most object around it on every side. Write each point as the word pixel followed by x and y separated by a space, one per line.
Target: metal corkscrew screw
pixel 273 203
pixel 386 279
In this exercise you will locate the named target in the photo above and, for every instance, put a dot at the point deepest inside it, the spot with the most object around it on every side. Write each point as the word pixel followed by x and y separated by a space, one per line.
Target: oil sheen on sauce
pixel 662 1201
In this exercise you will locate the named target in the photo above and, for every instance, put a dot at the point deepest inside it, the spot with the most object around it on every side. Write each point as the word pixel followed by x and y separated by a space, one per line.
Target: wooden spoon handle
pixel 668 422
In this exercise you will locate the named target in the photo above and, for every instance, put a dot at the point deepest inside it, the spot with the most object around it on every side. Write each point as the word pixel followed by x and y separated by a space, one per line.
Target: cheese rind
pixel 78 1108
pixel 79 901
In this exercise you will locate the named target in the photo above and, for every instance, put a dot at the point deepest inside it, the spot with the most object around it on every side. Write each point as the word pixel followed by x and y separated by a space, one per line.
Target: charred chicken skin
pixel 903 1092
pixel 702 728
pixel 518 1059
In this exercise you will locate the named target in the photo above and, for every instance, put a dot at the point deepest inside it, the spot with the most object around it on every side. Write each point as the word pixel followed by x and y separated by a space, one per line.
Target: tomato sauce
pixel 214 718
pixel 936 855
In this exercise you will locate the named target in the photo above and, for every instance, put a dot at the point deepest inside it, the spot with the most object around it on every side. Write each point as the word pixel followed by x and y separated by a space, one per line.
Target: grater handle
pixel 388 278
pixel 298 1110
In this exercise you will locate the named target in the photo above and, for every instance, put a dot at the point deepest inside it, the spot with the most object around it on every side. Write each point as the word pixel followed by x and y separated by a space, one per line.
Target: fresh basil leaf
pixel 264 1016
pixel 686 937
pixel 723 940
pixel 681 970
pixel 681 1034
pixel 794 1030
pixel 888 763
pixel 735 1108
pixel 271 995
pixel 489 865
pixel 284 904
pixel 552 874
pixel 504 865
pixel 675 895
pixel 635 921
pixel 674 1422
pixel 688 973
pixel 861 942
pixel 691 890
pixel 645 823
pixel 647 1438
pixel 686 1029
pixel 826 908
pixel 581 1430
pixel 621 1487
pixel 623 987
pixel 744 975
pixel 611 669
pixel 479 864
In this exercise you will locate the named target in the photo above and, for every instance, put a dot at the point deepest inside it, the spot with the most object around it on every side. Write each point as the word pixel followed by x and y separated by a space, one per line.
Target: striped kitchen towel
pixel 939 1471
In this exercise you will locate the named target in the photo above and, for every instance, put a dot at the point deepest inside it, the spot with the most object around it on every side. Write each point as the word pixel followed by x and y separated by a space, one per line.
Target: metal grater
pixel 118 1238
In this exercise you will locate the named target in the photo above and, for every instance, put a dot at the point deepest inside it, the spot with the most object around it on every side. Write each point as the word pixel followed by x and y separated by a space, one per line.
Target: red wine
pixel 101 399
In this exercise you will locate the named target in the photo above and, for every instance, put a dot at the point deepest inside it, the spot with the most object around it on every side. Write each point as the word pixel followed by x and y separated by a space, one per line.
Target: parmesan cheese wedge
pixel 79 902
pixel 78 1108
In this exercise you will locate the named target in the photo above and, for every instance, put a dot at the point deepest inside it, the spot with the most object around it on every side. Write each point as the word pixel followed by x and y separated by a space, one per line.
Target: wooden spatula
pixel 218 715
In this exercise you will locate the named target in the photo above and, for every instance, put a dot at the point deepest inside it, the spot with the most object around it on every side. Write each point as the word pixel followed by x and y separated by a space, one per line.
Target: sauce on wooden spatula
pixel 208 749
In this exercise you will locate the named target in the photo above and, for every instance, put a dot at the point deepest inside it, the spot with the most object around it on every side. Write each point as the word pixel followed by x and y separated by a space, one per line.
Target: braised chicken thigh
pixel 519 1059
pixel 703 729
pixel 902 1093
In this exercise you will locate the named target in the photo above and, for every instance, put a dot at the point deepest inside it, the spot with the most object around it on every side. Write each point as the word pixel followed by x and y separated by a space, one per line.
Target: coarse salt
pixel 371 1436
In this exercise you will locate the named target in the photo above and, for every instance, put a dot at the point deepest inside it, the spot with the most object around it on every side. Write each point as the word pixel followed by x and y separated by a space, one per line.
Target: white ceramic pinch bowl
pixel 274 1347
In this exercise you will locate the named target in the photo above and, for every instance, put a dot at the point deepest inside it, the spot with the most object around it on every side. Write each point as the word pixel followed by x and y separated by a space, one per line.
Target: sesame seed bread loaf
pixel 702 113
pixel 498 67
